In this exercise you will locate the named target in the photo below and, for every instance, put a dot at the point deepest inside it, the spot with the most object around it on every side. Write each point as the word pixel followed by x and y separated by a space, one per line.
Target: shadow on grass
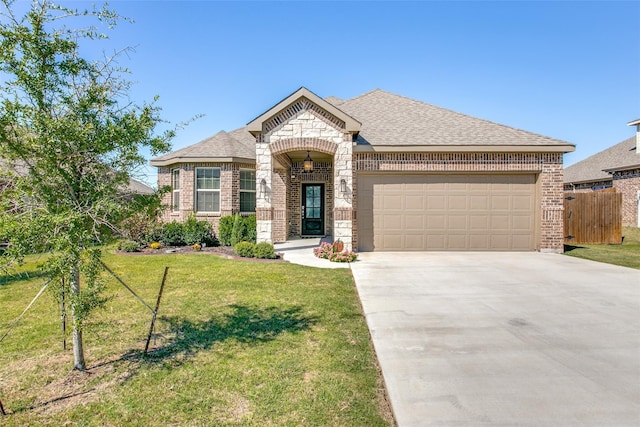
pixel 245 324
pixel 6 279
pixel 569 248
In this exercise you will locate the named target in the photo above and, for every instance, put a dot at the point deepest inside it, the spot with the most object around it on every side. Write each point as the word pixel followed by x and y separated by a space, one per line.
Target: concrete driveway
pixel 510 339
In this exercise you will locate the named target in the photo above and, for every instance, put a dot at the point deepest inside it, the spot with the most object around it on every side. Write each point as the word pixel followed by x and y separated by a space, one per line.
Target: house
pixel 134 187
pixel 615 167
pixel 379 172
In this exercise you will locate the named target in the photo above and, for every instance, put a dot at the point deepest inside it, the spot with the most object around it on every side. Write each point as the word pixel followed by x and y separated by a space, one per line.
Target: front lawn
pixel 237 343
pixel 627 254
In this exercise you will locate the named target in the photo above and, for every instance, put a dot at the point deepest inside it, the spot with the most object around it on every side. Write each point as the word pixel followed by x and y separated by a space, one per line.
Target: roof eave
pixel 179 160
pixel 567 148
pixel 634 122
pixel 622 168
pixel 351 125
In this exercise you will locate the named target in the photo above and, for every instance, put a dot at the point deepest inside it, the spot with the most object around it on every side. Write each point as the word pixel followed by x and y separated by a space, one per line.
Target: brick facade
pixel 547 167
pixel 229 191
pixel 628 183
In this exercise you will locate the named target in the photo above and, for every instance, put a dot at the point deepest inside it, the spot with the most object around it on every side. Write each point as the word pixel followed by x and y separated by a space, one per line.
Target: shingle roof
pixel 388 120
pixel 621 155
pixel 20 168
pixel 236 144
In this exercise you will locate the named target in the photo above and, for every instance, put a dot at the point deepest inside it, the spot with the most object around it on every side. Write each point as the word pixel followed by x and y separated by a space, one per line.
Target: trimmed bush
pixel 264 250
pixel 128 246
pixel 244 249
pixel 225 227
pixel 155 245
pixel 236 228
pixel 251 228
pixel 173 234
pixel 198 232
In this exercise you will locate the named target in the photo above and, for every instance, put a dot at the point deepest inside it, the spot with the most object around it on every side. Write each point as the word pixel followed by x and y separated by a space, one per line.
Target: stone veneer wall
pixel 628 183
pixel 300 127
pixel 548 167
pixel 229 191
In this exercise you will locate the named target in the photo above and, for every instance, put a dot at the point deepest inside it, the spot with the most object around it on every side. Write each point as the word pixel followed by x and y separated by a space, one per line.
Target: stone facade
pixel 628 183
pixel 302 127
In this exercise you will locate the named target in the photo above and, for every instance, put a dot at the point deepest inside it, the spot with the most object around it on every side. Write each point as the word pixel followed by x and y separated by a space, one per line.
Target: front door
pixel 312 209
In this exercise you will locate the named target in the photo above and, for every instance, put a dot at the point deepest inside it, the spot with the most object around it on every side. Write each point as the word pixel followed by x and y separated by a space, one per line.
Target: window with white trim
pixel 207 189
pixel 247 191
pixel 175 185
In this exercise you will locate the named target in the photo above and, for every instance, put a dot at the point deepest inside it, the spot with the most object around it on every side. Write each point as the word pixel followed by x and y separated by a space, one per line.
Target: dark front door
pixel 312 209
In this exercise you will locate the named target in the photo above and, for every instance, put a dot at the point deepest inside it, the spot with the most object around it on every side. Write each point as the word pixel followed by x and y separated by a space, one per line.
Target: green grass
pixel 237 343
pixel 627 254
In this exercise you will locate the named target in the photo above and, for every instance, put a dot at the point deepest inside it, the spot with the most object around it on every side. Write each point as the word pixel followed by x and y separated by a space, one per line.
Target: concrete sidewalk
pixel 300 251
pixel 509 339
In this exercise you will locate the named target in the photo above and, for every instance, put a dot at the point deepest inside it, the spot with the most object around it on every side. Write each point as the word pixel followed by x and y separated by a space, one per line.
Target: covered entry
pixel 472 212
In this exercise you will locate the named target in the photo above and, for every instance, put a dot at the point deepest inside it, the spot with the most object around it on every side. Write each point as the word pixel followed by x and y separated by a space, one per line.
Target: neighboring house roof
pixel 618 157
pixel 134 187
pixel 382 121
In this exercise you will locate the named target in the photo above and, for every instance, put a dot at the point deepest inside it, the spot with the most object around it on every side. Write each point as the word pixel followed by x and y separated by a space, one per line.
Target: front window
pixel 207 189
pixel 247 191
pixel 175 184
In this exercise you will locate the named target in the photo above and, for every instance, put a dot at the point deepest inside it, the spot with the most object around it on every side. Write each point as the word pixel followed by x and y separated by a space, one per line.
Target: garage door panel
pixel 446 212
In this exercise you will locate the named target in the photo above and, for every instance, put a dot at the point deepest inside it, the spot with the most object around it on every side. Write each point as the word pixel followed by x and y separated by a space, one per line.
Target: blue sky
pixel 569 70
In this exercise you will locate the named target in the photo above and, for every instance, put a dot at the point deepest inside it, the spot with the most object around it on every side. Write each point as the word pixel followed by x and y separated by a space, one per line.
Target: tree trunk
pixel 78 348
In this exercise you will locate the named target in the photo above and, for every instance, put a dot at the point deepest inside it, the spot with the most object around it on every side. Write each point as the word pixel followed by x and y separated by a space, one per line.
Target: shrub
pixel 173 234
pixel 128 246
pixel 196 247
pixel 198 232
pixel 251 229
pixel 238 231
pixel 244 249
pixel 155 245
pixel 264 250
pixel 225 227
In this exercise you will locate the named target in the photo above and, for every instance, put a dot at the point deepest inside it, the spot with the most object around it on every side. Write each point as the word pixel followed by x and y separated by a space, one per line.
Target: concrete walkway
pixel 300 251
pixel 504 339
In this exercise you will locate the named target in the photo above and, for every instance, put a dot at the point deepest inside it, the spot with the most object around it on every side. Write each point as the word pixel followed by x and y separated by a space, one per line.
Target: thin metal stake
pixel 2 408
pixel 63 315
pixel 155 312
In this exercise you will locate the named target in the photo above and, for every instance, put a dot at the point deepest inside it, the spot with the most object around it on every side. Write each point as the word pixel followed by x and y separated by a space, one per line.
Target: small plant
pixel 155 245
pixel 346 256
pixel 128 246
pixel 244 249
pixel 329 251
pixel 198 232
pixel 196 247
pixel 325 250
pixel 264 250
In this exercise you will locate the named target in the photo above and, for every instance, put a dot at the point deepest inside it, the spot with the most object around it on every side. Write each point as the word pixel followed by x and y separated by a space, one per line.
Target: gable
pixel 296 103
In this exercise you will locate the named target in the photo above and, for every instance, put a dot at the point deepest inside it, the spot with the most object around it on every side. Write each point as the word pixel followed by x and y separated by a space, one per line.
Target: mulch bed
pixel 221 251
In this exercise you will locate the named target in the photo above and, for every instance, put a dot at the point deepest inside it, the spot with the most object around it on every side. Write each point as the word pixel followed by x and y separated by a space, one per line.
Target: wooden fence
pixel 593 218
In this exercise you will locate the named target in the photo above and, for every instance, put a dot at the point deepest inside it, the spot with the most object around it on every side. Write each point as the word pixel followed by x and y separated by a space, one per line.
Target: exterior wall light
pixel 263 186
pixel 308 163
pixel 343 186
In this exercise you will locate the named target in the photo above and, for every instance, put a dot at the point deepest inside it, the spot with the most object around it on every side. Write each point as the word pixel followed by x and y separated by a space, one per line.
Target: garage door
pixel 446 212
